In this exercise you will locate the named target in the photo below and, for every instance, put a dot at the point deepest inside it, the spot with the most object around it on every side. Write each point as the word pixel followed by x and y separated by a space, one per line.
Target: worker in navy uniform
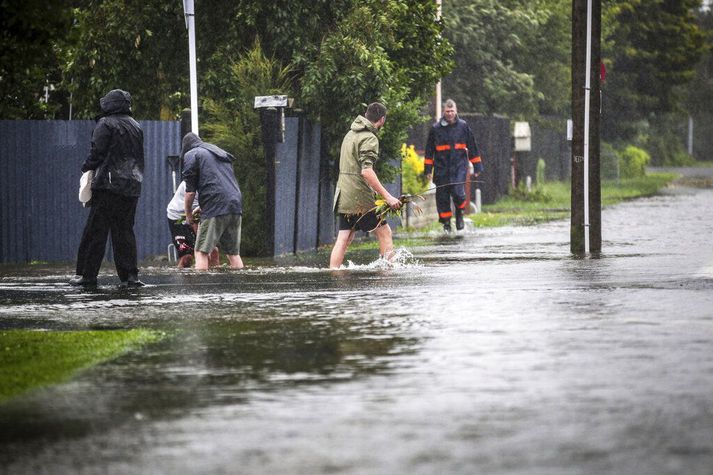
pixel 449 150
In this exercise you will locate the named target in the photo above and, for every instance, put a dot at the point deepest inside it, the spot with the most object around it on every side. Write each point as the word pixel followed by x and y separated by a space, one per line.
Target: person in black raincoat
pixel 117 158
pixel 449 148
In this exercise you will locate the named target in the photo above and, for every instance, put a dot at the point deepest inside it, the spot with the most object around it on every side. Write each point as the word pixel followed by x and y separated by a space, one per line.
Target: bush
pixel 609 162
pixel 633 162
pixel 540 172
pixel 538 194
pixel 234 125
pixel 412 180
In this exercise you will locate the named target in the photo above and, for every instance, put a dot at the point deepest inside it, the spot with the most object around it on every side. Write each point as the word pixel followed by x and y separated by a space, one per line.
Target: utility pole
pixel 586 229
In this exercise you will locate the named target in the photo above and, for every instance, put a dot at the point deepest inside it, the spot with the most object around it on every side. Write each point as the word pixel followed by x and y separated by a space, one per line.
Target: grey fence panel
pixel 493 137
pixel 551 146
pixel 56 218
pixel 40 162
pixel 160 140
pixel 308 187
pixel 285 188
pixel 327 227
pixel 13 222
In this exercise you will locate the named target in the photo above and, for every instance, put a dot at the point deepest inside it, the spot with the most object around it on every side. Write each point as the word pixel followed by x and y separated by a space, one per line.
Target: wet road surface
pixel 497 352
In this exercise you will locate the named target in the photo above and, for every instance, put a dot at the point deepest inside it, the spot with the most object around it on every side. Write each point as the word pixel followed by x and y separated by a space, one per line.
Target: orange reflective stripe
pixel 428 161
pixel 462 205
pixel 441 148
pixel 475 159
pixel 461 146
pixel 447 214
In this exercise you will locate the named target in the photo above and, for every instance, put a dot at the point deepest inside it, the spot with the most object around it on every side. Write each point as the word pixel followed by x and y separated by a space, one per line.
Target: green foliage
pixel 651 51
pixel 537 194
pixel 30 359
pixel 412 179
pixel 31 42
pixel 666 146
pixel 138 46
pixel 540 172
pixel 386 51
pixel 234 125
pixel 609 162
pixel 499 50
pixel 629 162
pixel 634 162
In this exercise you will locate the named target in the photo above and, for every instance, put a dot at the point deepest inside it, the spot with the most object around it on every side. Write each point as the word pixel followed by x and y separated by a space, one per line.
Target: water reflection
pixel 493 353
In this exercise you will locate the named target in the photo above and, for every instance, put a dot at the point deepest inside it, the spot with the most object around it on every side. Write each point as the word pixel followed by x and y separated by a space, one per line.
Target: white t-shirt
pixel 176 206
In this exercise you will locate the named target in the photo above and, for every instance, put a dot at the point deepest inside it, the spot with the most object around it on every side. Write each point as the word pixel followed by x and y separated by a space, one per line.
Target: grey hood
pixel 191 141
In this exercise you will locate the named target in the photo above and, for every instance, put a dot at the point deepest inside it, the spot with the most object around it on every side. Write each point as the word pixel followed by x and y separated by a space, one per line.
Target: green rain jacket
pixel 360 150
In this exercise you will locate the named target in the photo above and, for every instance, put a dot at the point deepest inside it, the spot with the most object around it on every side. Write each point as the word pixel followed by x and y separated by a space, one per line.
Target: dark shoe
pixel 132 281
pixel 447 228
pixel 460 224
pixel 83 281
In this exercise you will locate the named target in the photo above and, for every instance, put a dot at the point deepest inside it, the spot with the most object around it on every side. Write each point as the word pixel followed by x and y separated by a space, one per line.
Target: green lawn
pixel 31 359
pixel 553 200
pixel 549 202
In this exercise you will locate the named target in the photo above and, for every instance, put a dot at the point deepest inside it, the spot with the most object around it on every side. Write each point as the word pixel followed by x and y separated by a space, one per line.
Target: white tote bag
pixel 85 187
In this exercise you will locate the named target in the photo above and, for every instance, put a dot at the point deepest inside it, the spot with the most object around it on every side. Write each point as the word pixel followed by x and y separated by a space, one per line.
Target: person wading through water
pixel 449 148
pixel 355 193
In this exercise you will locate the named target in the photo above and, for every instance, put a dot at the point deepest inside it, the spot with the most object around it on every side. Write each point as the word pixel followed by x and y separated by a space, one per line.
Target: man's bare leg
pixel 386 243
pixel 214 258
pixel 201 260
pixel 344 238
pixel 185 261
pixel 236 261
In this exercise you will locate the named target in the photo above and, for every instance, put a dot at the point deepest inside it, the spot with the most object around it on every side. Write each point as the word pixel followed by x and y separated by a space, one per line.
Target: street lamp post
pixel 189 13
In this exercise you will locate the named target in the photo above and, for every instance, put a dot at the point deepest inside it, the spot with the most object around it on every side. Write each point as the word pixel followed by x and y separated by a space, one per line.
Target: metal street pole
pixel 189 12
pixel 438 85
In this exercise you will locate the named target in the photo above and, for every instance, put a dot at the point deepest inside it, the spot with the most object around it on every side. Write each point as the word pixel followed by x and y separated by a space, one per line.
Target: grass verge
pixel 30 359
pixel 551 201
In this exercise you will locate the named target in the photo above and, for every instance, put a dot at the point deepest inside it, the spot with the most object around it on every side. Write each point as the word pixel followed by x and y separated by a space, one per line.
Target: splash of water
pixel 402 259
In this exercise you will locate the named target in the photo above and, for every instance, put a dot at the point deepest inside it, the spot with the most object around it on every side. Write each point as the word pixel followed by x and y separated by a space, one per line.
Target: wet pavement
pixel 494 352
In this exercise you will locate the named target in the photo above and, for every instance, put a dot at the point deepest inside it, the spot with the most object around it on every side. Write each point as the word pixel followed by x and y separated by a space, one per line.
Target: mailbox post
pixel 272 124
pixel 522 137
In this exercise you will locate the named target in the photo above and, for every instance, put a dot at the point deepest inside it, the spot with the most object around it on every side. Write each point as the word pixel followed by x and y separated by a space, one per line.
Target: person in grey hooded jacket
pixel 208 170
pixel 117 158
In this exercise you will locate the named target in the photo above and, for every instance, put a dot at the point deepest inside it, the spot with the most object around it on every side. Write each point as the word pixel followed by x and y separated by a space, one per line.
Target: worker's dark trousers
pixel 443 201
pixel 113 213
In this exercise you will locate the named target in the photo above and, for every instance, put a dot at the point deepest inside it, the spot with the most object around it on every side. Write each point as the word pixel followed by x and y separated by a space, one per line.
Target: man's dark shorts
pixel 360 222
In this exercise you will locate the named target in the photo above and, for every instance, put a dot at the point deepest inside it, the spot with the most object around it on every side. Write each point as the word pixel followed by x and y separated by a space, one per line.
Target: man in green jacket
pixel 358 185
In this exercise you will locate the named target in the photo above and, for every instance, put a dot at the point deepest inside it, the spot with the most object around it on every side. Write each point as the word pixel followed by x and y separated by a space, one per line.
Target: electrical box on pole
pixel 585 230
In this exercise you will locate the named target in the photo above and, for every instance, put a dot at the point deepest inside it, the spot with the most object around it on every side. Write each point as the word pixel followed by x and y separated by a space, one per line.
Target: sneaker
pixel 83 281
pixel 447 228
pixel 460 224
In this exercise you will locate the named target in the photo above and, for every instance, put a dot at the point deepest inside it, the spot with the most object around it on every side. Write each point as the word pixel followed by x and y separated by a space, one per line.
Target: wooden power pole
pixel 586 228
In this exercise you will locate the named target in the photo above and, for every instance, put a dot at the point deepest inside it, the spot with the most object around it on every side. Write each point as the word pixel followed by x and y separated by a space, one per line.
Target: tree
pixel 232 123
pixel 388 51
pixel 652 51
pixel 128 44
pixel 32 35
pixel 489 39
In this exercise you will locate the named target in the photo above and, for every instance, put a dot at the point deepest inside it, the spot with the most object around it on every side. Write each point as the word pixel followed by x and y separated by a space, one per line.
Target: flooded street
pixel 496 353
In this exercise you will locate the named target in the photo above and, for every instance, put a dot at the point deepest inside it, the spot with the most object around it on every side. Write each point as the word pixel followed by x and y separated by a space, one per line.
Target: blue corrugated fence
pixel 41 218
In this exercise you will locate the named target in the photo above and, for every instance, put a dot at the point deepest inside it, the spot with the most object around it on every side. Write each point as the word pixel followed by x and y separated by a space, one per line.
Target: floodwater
pixel 493 353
